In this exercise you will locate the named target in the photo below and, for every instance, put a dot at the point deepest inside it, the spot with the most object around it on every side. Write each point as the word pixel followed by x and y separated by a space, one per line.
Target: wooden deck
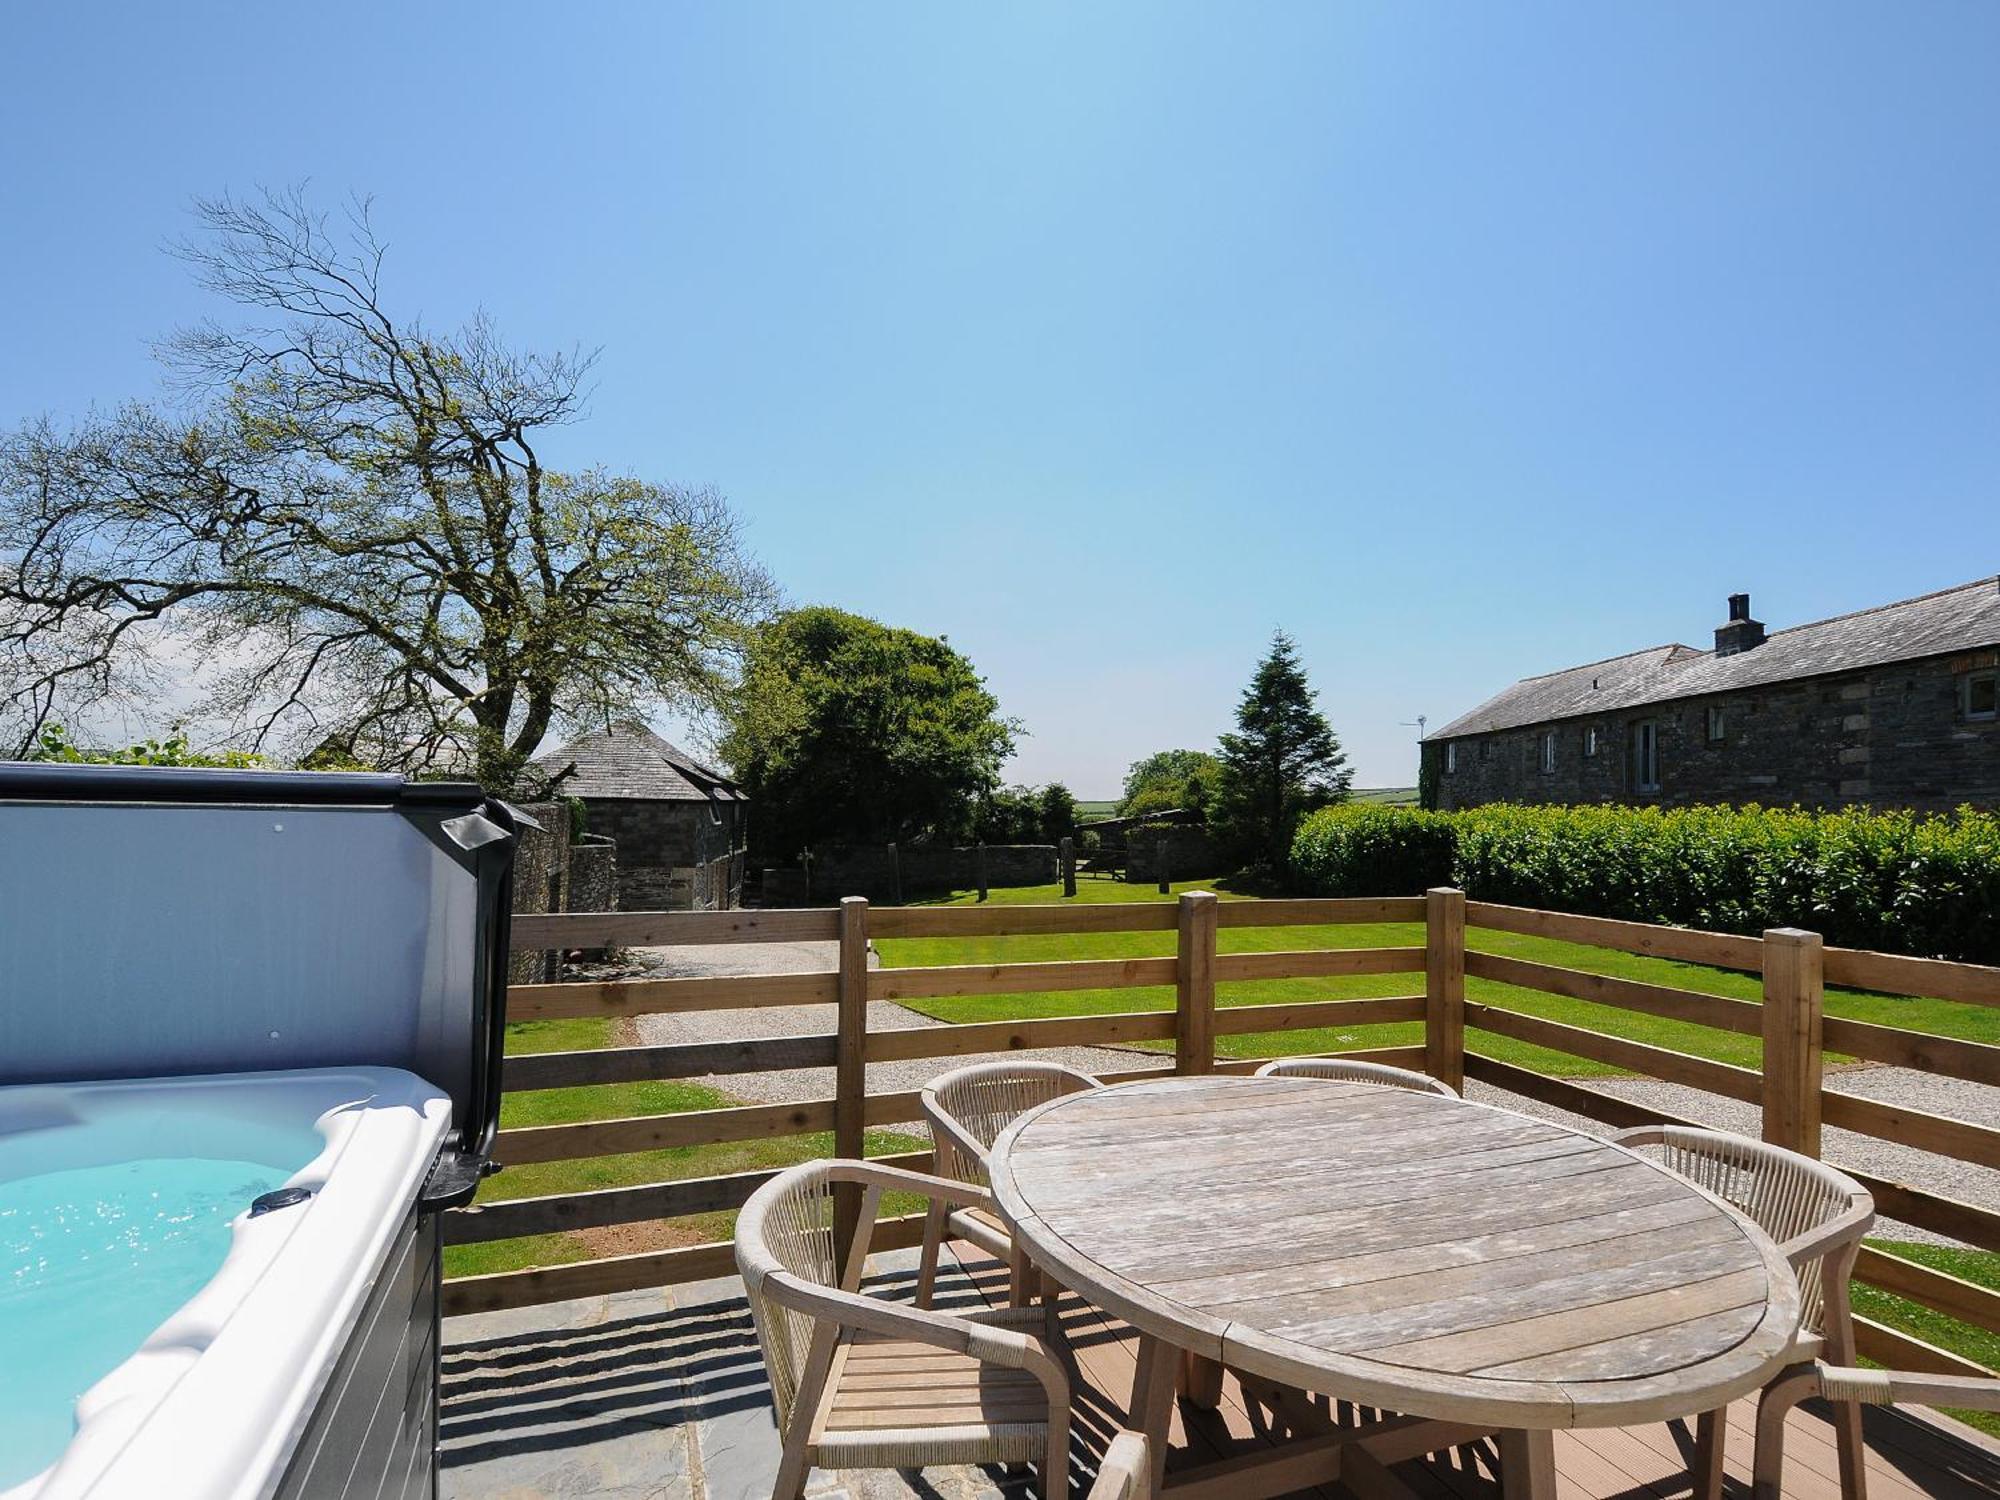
pixel 1908 1457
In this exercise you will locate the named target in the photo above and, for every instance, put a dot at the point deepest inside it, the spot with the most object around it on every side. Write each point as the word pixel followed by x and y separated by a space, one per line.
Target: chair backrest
pixel 1786 1195
pixel 1342 1070
pixel 967 1108
pixel 788 1225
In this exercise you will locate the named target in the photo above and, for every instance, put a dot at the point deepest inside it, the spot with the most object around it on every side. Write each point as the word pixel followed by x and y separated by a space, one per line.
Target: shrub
pixel 1894 881
pixel 1366 850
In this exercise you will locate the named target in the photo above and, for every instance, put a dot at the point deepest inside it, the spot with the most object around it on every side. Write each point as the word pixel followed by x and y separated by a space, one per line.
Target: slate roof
pixel 1966 618
pixel 630 761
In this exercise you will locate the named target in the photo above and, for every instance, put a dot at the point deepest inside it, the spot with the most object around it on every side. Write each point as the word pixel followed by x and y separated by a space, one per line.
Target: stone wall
pixel 539 853
pixel 925 870
pixel 1890 737
pixel 1190 853
pixel 655 838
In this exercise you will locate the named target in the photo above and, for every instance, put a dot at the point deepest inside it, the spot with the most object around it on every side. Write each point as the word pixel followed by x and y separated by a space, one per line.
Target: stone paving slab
pixel 648 1395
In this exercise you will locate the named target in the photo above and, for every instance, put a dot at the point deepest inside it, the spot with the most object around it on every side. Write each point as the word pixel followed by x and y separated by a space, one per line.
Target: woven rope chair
pixel 1817 1216
pixel 1127 1470
pixel 967 1109
pixel 1344 1071
pixel 1852 1386
pixel 860 1383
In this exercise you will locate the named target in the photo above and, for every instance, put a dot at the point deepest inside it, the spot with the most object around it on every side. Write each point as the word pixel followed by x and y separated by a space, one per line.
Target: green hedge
pixel 1895 882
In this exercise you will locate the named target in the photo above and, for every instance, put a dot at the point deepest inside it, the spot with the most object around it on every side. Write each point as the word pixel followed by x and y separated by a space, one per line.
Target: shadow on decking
pixel 663 1393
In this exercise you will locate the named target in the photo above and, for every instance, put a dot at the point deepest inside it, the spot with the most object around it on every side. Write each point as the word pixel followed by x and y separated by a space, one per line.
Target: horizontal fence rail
pixel 1179 1007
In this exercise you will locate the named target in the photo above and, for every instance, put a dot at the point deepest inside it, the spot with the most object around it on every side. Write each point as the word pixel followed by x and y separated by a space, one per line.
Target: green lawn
pixel 1975 1023
pixel 612 1101
pixel 1979 1266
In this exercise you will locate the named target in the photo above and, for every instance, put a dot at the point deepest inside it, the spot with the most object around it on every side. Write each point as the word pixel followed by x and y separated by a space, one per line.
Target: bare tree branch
pixel 350 519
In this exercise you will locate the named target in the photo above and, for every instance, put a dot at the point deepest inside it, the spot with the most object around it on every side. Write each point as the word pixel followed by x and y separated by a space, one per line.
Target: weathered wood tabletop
pixel 1425 1255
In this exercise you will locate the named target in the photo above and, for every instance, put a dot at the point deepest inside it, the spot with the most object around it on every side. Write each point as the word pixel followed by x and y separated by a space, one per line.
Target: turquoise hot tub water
pixel 108 1226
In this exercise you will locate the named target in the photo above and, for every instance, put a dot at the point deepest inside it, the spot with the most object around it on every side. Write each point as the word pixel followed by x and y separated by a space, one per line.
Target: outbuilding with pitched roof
pixel 679 824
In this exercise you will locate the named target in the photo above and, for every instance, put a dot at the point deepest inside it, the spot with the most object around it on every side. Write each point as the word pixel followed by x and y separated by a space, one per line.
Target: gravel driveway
pixel 1946 1096
pixel 805 1020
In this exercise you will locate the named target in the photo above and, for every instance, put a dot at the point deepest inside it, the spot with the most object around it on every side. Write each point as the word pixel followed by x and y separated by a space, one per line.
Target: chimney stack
pixel 1741 633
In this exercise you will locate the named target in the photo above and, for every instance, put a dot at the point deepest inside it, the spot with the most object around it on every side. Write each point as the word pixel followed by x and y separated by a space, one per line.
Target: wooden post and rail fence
pixel 1790 1021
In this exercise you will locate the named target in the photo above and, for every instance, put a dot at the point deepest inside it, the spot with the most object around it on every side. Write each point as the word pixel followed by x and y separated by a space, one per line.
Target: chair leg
pixel 1055 1462
pixel 927 1267
pixel 1020 1278
pixel 1837 1323
pixel 1773 1407
pixel 792 1471
pixel 1706 1471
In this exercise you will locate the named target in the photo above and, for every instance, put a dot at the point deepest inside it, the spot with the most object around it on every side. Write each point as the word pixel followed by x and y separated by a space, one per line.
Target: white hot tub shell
pixel 221 1399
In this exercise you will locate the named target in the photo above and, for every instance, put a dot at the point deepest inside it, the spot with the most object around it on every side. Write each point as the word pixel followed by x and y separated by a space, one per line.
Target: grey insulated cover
pixel 162 922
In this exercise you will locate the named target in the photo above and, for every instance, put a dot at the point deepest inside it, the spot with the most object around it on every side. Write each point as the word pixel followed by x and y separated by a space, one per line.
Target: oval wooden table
pixel 1473 1269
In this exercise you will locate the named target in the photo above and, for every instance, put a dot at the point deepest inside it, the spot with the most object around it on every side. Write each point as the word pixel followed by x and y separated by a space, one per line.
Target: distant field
pixel 1090 812
pixel 1387 796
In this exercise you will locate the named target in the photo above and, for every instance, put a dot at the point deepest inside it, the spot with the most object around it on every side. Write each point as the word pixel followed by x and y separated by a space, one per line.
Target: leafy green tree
pixel 1170 779
pixel 1008 815
pixel 1055 812
pixel 54 744
pixel 846 730
pixel 351 524
pixel 1282 762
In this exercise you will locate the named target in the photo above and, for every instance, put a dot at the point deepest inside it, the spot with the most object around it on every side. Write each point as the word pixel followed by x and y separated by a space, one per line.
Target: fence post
pixel 1194 997
pixel 1444 985
pixel 850 1058
pixel 979 864
pixel 895 876
pixel 1066 857
pixel 1794 1055
pixel 1166 876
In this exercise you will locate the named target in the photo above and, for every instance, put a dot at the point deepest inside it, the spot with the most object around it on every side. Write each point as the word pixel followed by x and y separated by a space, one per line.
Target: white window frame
pixel 1451 757
pixel 1548 752
pixel 1965 684
pixel 1645 751
pixel 1590 741
pixel 1718 724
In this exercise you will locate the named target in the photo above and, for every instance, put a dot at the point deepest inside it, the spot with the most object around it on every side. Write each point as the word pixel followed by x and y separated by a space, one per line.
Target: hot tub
pixel 162 1337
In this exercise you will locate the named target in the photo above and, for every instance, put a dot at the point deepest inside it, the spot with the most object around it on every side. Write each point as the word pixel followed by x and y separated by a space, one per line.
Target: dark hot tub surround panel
pixel 170 922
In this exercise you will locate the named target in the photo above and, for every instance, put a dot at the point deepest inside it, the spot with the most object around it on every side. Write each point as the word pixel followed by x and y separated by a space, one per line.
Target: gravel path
pixel 1945 1096
pixel 796 1020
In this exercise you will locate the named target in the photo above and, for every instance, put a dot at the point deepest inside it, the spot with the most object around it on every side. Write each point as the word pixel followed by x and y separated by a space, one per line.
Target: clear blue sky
pixel 1464 342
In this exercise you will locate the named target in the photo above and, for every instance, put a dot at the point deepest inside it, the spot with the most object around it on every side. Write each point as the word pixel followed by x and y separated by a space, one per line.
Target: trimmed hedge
pixel 1890 881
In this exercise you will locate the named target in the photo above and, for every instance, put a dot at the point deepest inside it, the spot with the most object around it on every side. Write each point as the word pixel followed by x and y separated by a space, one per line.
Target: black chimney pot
pixel 1741 633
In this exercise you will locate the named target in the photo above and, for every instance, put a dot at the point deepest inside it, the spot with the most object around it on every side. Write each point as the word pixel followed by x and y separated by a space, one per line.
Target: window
pixel 1590 740
pixel 1548 751
pixel 1979 695
pixel 1451 757
pixel 1646 756
pixel 1716 724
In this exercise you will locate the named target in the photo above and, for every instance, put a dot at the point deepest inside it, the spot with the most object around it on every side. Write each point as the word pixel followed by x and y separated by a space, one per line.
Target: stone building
pixel 1890 707
pixel 678 825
